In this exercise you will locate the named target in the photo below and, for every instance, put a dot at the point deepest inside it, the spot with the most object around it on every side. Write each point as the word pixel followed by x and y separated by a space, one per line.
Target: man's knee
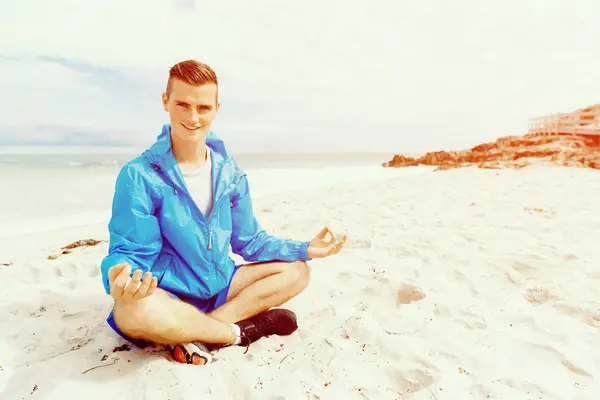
pixel 299 274
pixel 135 318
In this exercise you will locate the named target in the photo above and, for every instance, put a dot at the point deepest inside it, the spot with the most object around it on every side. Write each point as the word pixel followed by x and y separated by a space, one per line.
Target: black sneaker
pixel 277 321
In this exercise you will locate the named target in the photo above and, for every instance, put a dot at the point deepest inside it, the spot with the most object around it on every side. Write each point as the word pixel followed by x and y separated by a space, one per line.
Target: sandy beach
pixel 460 284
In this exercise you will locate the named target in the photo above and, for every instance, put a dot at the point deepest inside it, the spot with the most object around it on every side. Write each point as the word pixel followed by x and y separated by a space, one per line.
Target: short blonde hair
pixel 192 72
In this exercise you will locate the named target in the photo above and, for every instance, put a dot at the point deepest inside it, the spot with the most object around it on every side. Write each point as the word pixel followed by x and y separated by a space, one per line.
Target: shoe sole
pixel 191 353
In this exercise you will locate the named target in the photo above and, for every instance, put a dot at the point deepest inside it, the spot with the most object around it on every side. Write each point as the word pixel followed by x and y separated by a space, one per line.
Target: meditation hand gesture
pixel 321 246
pixel 122 287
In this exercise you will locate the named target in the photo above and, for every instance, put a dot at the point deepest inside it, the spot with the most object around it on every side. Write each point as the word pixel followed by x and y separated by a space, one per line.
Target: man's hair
pixel 192 72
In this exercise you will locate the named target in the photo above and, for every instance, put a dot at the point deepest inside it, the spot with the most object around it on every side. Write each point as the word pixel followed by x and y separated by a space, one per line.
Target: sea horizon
pixel 70 157
pixel 128 150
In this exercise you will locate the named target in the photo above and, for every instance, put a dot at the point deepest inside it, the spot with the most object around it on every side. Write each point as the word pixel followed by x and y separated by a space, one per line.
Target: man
pixel 177 210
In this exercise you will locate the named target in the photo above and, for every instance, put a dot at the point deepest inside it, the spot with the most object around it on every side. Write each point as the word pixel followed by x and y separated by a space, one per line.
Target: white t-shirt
pixel 199 183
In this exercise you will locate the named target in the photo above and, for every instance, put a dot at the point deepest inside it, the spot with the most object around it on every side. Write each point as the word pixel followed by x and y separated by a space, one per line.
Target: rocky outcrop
pixel 514 152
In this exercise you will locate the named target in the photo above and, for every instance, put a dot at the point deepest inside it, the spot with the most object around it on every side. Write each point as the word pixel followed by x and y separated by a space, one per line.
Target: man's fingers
pixel 340 244
pixel 332 239
pixel 329 250
pixel 143 289
pixel 338 247
pixel 118 285
pixel 153 286
pixel 133 284
pixel 323 233
pixel 114 271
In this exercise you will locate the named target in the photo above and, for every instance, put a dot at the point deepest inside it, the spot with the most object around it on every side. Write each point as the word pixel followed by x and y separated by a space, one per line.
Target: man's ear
pixel 164 100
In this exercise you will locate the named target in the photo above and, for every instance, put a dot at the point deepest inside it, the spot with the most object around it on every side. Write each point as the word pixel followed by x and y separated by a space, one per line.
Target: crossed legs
pixel 255 288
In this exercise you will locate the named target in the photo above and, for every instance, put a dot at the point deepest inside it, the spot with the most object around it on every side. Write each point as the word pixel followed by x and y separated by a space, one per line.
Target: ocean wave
pixel 62 161
pixel 94 164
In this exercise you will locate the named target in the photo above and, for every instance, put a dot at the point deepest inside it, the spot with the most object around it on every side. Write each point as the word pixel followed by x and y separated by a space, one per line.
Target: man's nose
pixel 194 117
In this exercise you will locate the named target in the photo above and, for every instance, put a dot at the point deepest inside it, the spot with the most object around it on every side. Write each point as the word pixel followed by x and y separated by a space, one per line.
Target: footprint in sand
pixel 359 244
pixel 594 274
pixel 526 275
pixel 571 257
pixel 461 277
pixel 526 269
pixel 568 364
pixel 77 269
pixel 467 236
pixel 587 315
pixel 407 294
pixel 538 294
pixel 345 277
pixel 412 380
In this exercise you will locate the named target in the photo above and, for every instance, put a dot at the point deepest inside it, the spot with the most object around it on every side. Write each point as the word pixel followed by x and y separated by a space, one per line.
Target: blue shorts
pixel 204 305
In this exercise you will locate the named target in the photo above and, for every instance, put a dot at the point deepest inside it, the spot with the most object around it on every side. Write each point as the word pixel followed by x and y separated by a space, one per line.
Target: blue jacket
pixel 156 226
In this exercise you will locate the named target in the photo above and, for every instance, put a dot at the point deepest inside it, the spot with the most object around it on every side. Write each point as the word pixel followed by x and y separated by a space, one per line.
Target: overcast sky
pixel 394 75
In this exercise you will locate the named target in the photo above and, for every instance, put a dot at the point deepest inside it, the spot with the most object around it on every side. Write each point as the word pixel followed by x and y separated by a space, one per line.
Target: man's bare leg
pixel 258 287
pixel 255 288
pixel 163 319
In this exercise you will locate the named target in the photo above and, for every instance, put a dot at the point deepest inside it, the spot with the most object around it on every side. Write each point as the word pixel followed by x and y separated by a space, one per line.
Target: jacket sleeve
pixel 250 241
pixel 134 232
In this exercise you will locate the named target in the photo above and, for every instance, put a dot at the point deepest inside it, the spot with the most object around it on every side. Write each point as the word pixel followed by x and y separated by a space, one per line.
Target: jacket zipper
pixel 173 185
pixel 209 246
pixel 216 208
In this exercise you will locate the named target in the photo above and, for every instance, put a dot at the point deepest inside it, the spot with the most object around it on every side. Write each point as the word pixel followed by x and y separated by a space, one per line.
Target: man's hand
pixel 122 287
pixel 321 246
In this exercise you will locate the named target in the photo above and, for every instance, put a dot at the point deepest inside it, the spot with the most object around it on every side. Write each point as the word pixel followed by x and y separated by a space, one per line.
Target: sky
pixel 385 75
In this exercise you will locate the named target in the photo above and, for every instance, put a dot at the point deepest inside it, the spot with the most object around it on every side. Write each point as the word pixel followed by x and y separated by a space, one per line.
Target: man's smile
pixel 191 128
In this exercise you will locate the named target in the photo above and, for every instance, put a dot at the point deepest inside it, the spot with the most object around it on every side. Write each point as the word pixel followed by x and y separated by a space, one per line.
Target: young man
pixel 177 210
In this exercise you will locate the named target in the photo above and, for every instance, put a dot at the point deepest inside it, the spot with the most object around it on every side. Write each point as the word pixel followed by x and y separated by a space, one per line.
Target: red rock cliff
pixel 514 152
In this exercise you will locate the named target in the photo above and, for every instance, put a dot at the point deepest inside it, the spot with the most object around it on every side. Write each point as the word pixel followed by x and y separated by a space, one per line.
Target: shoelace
pixel 261 325
pixel 245 341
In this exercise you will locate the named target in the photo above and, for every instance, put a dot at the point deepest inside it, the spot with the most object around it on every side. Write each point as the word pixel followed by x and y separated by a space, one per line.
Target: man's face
pixel 192 109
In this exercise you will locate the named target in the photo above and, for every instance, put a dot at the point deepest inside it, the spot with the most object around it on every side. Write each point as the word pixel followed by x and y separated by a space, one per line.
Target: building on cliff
pixel 584 121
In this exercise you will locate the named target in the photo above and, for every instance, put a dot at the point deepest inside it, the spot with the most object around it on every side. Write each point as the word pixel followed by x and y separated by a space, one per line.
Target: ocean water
pixel 113 161
pixel 44 192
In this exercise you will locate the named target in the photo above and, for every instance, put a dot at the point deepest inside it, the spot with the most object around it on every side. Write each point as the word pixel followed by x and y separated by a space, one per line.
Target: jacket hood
pixel 225 169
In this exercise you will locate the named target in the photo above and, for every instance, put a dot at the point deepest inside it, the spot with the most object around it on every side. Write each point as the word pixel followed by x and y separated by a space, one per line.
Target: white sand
pixel 502 267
